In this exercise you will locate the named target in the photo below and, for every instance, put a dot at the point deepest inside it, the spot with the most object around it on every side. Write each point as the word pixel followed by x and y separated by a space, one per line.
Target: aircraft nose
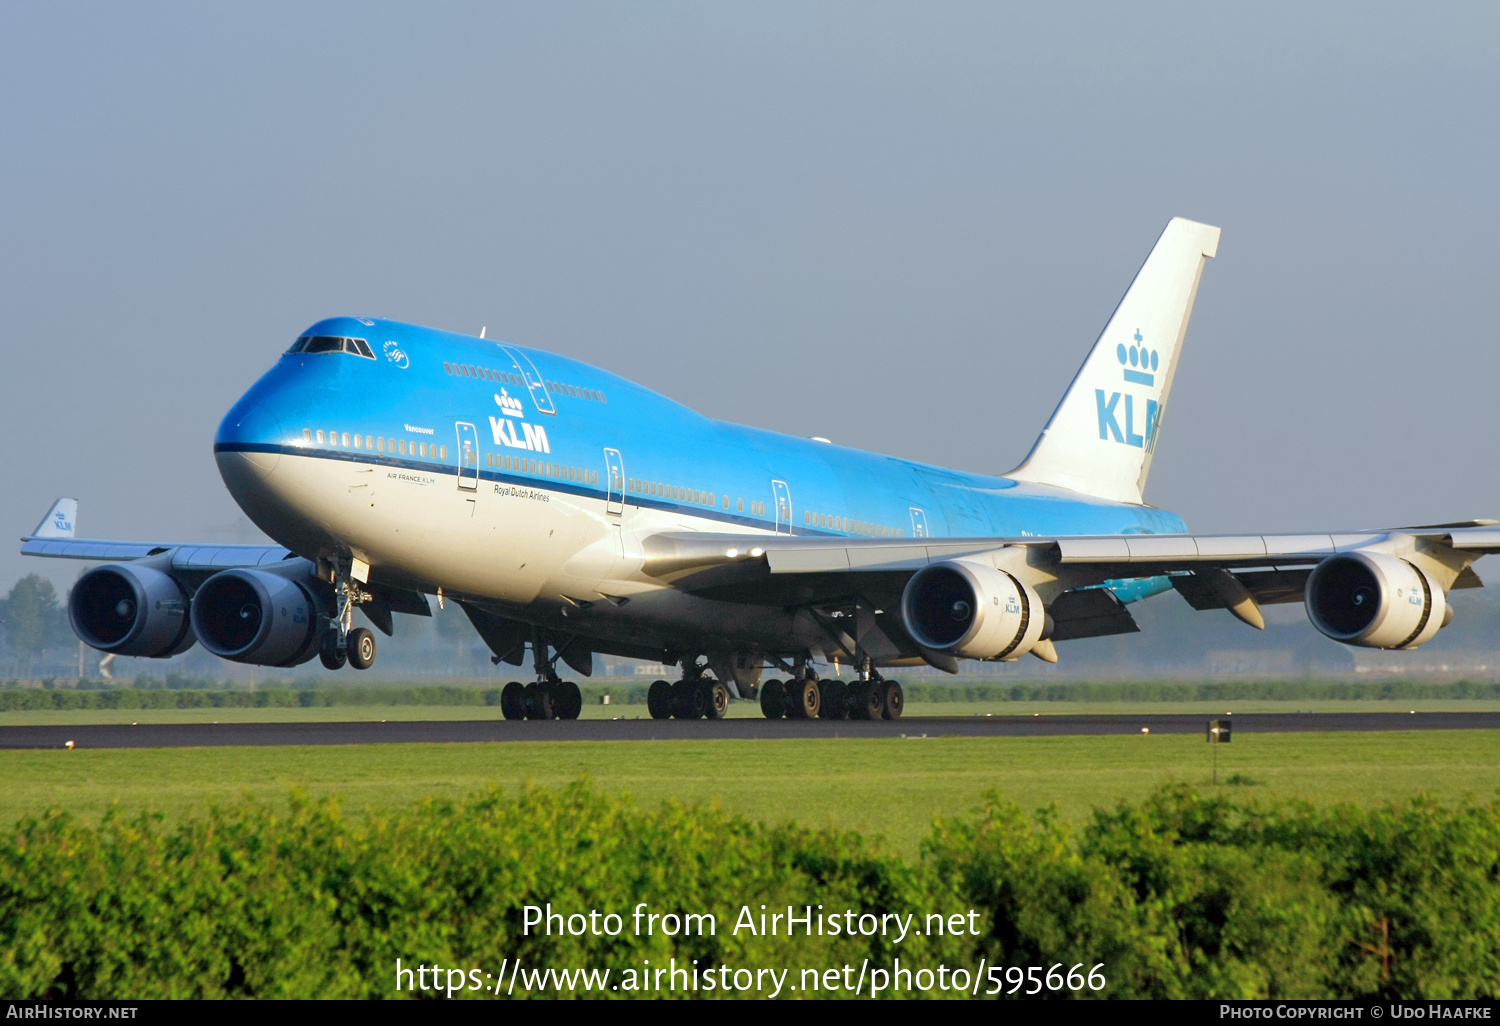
pixel 254 433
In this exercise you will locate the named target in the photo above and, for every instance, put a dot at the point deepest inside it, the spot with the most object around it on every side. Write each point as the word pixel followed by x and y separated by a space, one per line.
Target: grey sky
pixel 900 227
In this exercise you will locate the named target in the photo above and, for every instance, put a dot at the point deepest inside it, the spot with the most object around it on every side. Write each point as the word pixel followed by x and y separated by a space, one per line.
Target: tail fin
pixel 1102 435
pixel 59 521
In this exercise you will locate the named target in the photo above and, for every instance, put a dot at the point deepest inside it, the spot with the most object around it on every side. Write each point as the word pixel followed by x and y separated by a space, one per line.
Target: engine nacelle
pixel 971 610
pixel 253 616
pixel 1374 600
pixel 131 610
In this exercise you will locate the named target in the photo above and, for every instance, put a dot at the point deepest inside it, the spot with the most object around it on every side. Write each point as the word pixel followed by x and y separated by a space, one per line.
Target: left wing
pixel 55 536
pixel 188 565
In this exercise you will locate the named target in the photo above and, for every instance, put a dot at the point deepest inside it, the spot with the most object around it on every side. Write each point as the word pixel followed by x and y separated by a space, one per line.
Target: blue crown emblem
pixel 1138 356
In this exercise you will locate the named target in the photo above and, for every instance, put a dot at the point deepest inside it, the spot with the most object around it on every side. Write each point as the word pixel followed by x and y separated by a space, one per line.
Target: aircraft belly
pixel 544 556
pixel 670 619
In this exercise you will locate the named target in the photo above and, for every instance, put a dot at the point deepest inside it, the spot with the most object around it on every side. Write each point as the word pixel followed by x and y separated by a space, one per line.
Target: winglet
pixel 59 521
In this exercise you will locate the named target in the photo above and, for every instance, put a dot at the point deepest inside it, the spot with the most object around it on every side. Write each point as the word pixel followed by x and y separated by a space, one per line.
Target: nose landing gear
pixel 342 641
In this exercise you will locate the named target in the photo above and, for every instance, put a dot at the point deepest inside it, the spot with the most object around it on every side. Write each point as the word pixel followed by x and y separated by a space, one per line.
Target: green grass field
pixel 890 788
pixel 342 713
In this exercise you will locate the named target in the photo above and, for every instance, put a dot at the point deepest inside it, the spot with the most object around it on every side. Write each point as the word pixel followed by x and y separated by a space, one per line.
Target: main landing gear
pixel 547 698
pixel 341 640
pixel 807 698
pixel 692 698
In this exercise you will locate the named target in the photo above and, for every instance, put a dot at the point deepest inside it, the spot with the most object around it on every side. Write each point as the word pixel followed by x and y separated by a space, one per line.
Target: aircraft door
pixel 534 383
pixel 918 523
pixel 614 468
pixel 783 507
pixel 468 457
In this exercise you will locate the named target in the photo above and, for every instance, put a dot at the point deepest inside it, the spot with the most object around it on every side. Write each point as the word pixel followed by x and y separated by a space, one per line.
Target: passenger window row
pixel 696 496
pixel 467 370
pixel 849 525
pixel 389 446
pixel 591 394
pixel 432 450
pixel 314 344
pixel 540 468
pixel 661 490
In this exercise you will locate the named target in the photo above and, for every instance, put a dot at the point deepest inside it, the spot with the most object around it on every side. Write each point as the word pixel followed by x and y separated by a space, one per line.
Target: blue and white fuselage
pixel 529 482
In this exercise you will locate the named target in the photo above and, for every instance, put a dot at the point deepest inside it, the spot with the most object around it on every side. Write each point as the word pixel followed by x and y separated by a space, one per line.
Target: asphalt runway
pixel 216 735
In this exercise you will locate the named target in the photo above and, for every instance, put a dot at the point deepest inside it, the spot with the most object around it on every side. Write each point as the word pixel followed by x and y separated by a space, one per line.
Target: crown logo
pixel 1138 356
pixel 510 405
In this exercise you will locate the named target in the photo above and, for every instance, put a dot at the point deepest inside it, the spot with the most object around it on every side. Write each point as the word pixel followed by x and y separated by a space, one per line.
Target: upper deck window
pixel 312 344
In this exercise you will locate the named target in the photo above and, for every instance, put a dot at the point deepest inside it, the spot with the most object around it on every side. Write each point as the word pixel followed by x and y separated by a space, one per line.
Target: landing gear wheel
pixel 361 649
pixel 718 700
pixel 693 700
pixel 538 701
pixel 659 700
pixel 570 700
pixel 772 700
pixel 834 699
pixel 866 700
pixel 546 701
pixel 895 700
pixel 513 701
pixel 330 652
pixel 804 699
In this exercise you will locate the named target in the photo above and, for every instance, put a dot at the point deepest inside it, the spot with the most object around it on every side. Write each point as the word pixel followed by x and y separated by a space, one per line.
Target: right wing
pixel 1078 580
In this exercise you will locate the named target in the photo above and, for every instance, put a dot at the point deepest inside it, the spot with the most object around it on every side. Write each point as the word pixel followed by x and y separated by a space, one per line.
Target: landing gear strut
pixel 548 697
pixel 341 640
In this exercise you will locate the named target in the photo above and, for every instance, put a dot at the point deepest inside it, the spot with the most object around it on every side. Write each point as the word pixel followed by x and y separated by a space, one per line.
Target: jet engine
pixel 254 616
pixel 972 611
pixel 1374 600
pixel 131 610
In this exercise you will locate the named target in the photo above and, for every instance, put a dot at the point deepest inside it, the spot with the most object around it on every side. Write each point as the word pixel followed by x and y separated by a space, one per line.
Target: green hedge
pixel 1180 896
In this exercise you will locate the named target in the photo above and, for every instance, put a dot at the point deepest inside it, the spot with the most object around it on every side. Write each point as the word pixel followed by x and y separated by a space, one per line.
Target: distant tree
pixel 32 620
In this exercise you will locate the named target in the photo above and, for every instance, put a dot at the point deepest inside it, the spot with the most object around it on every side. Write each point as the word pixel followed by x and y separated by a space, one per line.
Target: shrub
pixel 1178 896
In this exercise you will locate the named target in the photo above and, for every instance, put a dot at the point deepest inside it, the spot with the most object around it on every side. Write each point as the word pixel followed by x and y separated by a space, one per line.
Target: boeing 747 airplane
pixel 570 512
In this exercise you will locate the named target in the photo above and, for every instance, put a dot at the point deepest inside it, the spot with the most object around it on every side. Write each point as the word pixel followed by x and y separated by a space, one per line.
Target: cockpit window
pixel 311 344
